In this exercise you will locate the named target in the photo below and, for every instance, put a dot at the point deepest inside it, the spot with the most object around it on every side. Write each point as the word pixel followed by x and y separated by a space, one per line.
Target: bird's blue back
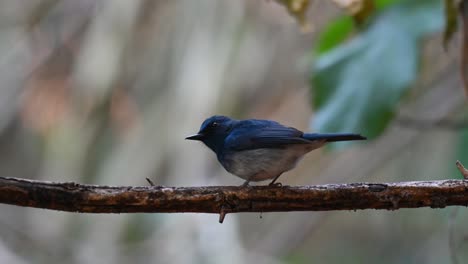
pixel 254 134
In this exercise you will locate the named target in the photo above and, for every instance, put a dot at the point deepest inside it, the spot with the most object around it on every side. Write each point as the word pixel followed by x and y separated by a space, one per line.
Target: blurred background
pixel 104 92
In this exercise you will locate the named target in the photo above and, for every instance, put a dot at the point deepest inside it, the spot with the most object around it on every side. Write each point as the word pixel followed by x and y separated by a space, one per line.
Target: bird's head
pixel 213 131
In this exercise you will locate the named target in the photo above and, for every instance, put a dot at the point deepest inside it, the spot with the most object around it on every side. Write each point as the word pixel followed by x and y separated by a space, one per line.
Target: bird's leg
pixel 246 183
pixel 278 184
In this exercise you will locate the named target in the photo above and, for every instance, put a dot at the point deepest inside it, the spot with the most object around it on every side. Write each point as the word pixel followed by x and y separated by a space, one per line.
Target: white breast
pixel 262 164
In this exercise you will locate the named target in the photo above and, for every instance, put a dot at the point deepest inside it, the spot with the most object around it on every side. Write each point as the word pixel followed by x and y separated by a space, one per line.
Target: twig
pixel 221 200
pixel 462 169
pixel 222 215
pixel 151 183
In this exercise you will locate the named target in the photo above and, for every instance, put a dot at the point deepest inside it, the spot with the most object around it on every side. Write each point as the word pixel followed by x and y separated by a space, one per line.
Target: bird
pixel 258 150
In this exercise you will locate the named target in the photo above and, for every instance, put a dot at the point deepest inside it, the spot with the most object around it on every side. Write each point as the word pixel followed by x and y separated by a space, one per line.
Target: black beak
pixel 195 137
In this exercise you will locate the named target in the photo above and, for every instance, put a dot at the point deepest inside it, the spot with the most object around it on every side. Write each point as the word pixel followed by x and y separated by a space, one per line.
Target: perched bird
pixel 258 150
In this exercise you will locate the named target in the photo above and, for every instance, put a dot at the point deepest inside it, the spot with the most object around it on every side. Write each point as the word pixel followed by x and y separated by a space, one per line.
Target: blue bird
pixel 258 150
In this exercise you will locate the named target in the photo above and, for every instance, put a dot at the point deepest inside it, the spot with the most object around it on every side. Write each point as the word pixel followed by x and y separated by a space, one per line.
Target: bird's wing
pixel 263 135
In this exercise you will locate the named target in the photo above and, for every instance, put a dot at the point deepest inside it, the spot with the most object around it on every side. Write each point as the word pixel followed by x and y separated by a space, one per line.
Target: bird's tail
pixel 333 137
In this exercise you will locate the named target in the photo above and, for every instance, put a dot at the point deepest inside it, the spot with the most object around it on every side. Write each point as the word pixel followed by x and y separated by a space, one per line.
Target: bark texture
pixel 82 198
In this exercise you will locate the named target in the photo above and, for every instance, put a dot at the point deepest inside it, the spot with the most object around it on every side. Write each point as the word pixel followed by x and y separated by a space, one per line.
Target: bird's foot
pixel 245 184
pixel 275 184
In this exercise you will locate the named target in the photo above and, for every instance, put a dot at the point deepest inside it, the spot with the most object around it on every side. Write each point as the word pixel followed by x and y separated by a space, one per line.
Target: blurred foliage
pixel 358 84
pixel 464 50
pixel 343 27
pixel 461 152
pixel 360 10
pixel 139 228
pixel 297 8
pixel 296 258
pixel 336 32
pixel 451 24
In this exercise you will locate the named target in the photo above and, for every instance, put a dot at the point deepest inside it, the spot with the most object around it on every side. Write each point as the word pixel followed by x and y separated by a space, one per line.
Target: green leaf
pixel 334 34
pixel 360 10
pixel 341 28
pixel 357 85
pixel 381 4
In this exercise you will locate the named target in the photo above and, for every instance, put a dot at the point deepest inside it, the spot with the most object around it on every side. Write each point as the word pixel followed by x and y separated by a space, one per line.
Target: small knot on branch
pixel 377 187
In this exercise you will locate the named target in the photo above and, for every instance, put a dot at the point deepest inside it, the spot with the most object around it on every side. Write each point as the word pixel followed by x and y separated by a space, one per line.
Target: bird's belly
pixel 263 164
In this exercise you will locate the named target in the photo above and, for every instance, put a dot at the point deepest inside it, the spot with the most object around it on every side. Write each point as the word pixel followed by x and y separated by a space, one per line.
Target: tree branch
pixel 221 200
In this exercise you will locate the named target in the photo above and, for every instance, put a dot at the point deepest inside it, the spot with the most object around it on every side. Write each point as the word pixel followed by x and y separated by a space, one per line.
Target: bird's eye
pixel 214 124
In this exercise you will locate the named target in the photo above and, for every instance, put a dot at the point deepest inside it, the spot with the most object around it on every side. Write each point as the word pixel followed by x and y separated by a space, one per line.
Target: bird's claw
pixel 275 184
